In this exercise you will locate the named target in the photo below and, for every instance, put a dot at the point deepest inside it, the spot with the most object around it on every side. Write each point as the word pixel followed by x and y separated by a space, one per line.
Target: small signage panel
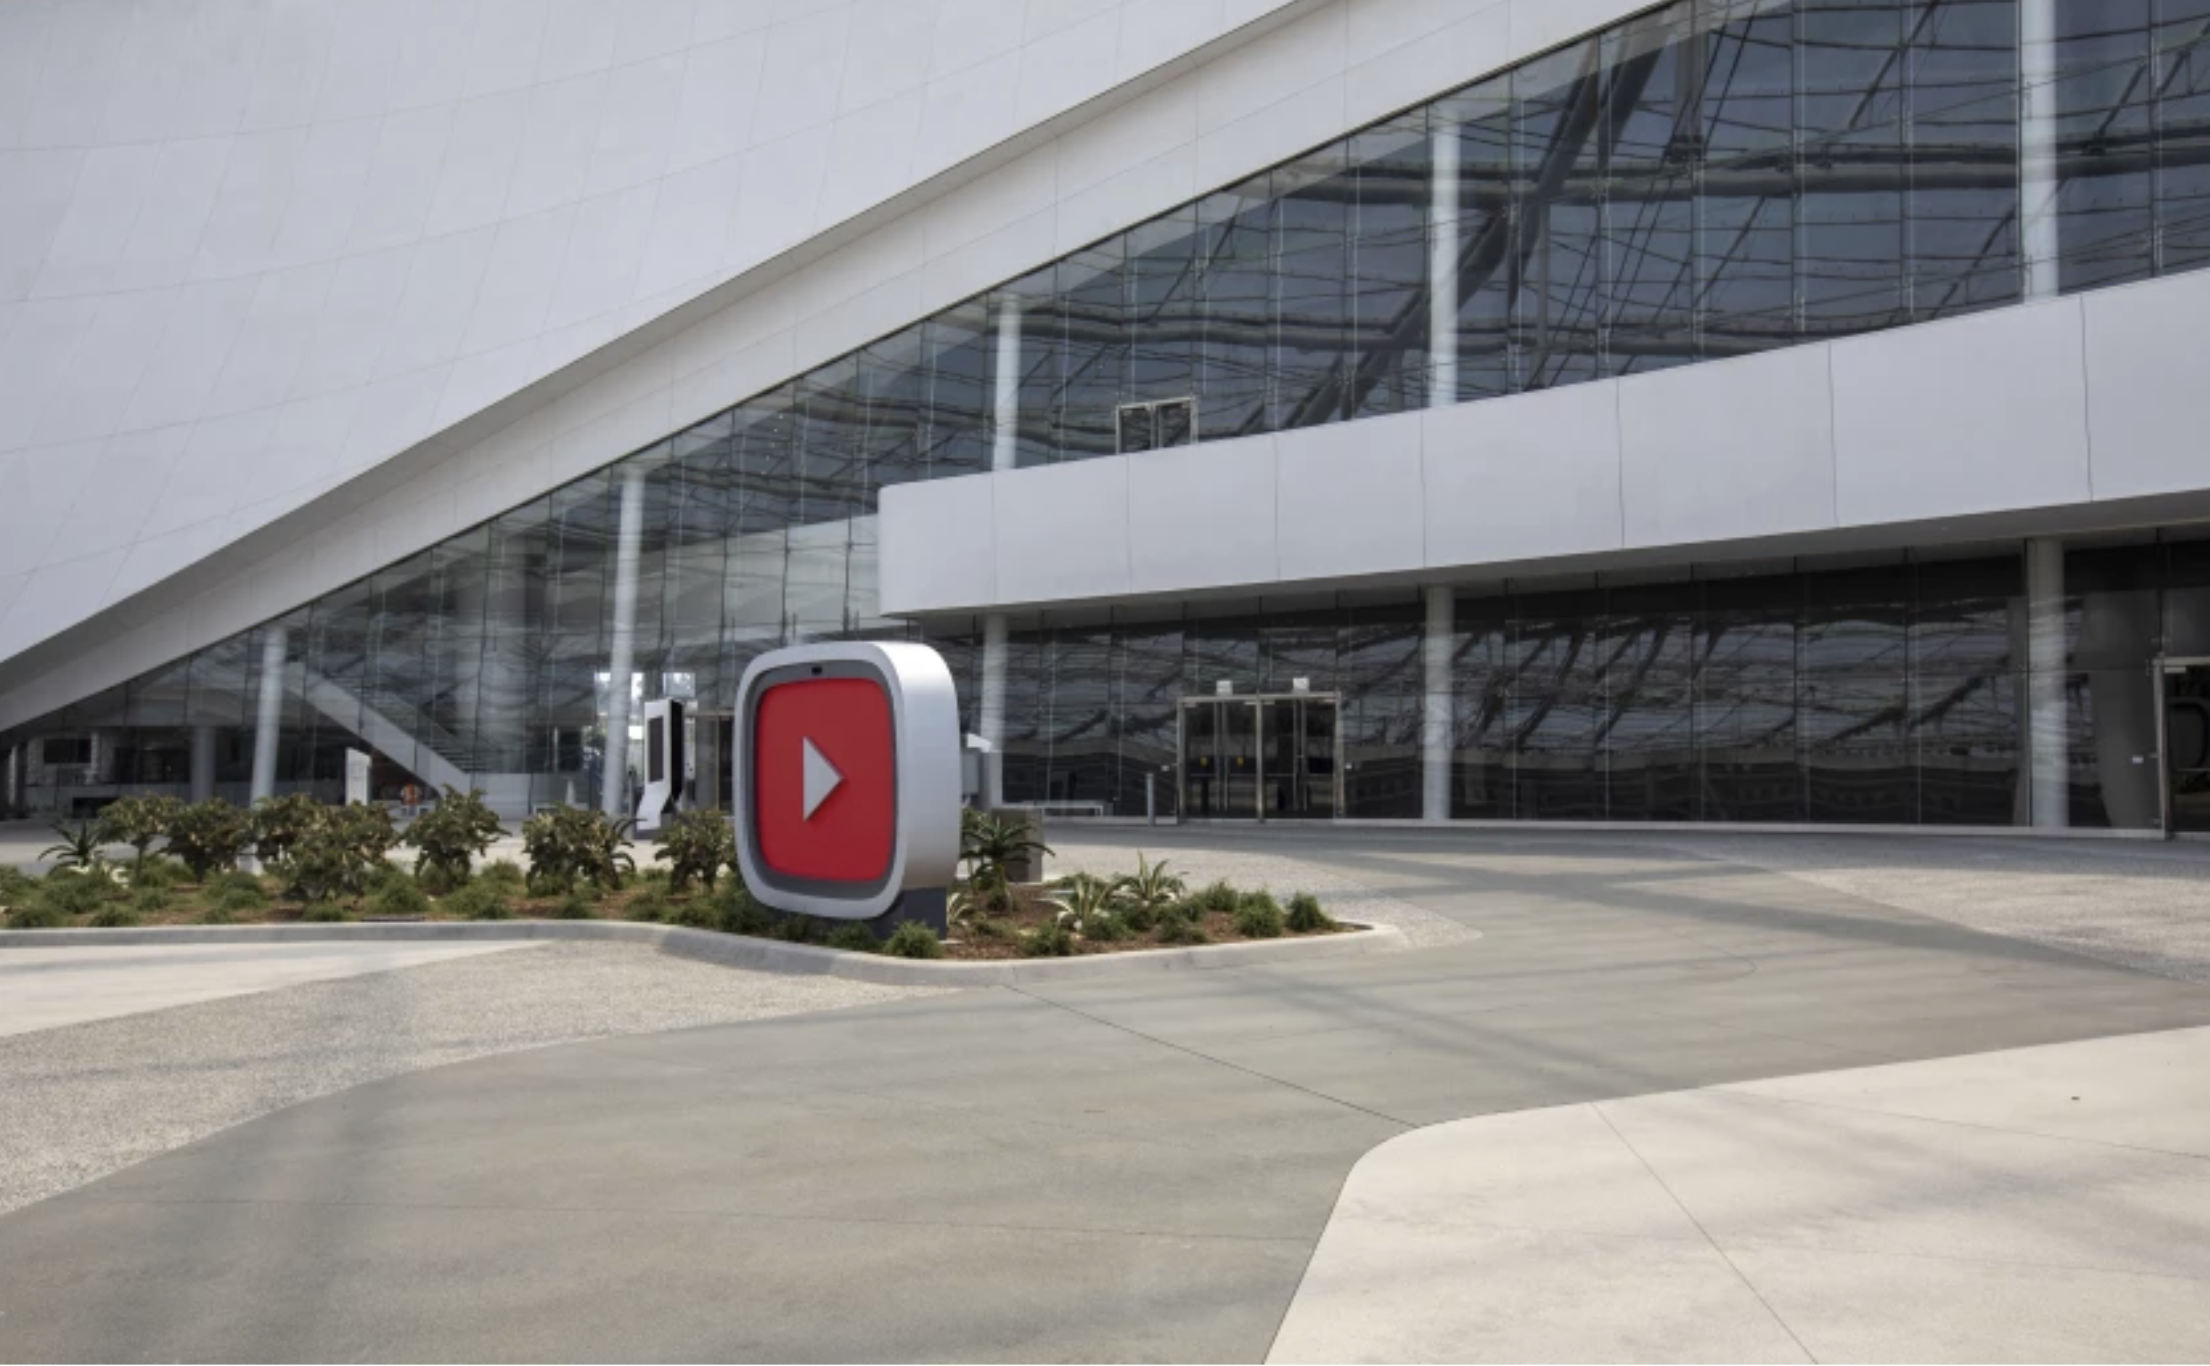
pixel 846 780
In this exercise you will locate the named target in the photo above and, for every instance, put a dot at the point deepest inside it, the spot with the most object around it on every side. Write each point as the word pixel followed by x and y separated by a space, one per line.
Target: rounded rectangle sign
pixel 846 776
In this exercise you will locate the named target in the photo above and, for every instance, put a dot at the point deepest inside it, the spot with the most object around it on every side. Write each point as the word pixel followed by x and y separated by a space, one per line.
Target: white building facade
pixel 1763 411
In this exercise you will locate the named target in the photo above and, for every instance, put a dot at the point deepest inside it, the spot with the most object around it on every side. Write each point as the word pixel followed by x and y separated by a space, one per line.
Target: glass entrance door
pixel 2187 748
pixel 1260 758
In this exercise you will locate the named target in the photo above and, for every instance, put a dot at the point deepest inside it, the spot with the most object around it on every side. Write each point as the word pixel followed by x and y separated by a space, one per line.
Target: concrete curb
pixel 743 951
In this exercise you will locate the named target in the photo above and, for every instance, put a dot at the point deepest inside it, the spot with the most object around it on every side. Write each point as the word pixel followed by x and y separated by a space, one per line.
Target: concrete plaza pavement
pixel 1133 1167
pixel 42 988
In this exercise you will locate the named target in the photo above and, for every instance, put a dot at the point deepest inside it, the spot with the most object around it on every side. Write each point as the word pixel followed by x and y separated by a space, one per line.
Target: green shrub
pixel 573 906
pixel 506 875
pixel 738 912
pixel 696 846
pixel 800 929
pixel 1177 929
pixel 278 824
pixel 1054 940
pixel 115 917
pixel 1106 928
pixel 550 886
pixel 1217 899
pixel 650 904
pixel 210 837
pixel 452 835
pixel 223 883
pixel 1146 895
pixel 325 912
pixel 38 915
pixel 150 900
pixel 990 927
pixel 570 845
pixel 1305 915
pixel 398 899
pixel 138 822
pixel 344 848
pixel 437 881
pixel 1259 917
pixel 913 940
pixel 72 894
pixel 160 871
pixel 655 877
pixel 242 895
pixel 478 900
pixel 697 913
pixel 853 937
pixel 16 888
pixel 218 915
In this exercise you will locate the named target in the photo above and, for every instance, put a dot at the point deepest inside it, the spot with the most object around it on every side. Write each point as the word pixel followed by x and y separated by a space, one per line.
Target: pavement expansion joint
pixel 1220 1062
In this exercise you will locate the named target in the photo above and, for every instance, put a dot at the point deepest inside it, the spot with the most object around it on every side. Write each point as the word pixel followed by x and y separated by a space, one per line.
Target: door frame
pixel 2159 670
pixel 1259 701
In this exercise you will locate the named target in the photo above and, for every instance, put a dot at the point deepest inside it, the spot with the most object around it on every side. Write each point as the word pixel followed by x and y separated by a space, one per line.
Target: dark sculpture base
pixel 923 906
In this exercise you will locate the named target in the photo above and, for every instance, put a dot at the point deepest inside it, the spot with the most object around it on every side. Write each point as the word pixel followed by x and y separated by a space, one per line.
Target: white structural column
pixel 1438 720
pixel 266 730
pixel 1442 268
pixel 2047 735
pixel 621 661
pixel 1004 455
pixel 992 718
pixel 203 763
pixel 2037 145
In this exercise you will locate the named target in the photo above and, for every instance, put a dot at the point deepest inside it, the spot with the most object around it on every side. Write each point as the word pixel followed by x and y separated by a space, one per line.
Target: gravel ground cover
pixel 1343 897
pixel 84 1100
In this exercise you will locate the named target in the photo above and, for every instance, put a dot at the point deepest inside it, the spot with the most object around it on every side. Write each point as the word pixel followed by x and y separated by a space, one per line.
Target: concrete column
pixel 2047 737
pixel 621 663
pixel 1442 269
pixel 1438 720
pixel 203 763
pixel 11 790
pixel 2037 145
pixel 1006 416
pixel 268 724
pixel 992 720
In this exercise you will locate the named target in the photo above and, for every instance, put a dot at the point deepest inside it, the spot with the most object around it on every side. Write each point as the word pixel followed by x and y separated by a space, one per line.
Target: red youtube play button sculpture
pixel 847 776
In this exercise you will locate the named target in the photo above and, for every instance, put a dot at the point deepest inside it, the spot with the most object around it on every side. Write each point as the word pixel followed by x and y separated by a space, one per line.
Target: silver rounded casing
pixel 925 738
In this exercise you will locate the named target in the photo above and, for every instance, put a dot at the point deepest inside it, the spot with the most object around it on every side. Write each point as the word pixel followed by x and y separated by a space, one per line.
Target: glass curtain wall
pixel 1708 179
pixel 1886 691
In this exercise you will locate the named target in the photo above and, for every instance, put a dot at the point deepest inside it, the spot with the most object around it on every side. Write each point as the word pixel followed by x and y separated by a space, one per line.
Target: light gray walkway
pixel 45 988
pixel 2034 1204
pixel 82 1100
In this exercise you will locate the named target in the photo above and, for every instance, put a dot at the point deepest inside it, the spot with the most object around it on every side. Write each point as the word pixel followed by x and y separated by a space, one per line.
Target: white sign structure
pixel 356 777
pixel 846 777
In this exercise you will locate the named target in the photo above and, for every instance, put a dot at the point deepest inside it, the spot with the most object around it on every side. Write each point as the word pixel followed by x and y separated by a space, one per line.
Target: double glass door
pixel 1261 758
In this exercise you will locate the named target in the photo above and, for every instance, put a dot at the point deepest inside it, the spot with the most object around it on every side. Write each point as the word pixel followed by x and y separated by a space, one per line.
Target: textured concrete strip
pixel 84 1100
pixel 737 950
pixel 43 988
pixel 2045 1203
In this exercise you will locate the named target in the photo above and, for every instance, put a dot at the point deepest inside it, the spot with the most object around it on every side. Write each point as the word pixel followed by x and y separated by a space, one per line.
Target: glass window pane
pixel 1963 217
pixel 1316 199
pixel 2103 97
pixel 1557 113
pixel 1850 137
pixel 1487 237
pixel 1235 303
pixel 1746 233
pixel 2182 133
pixel 1651 157
pixel 1388 304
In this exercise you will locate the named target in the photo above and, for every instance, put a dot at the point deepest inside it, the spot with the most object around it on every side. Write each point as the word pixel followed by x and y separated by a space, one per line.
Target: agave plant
pixel 1083 901
pixel 990 847
pixel 79 850
pixel 1149 891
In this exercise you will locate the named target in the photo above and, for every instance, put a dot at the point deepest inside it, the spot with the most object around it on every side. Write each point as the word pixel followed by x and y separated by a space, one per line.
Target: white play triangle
pixel 821 779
